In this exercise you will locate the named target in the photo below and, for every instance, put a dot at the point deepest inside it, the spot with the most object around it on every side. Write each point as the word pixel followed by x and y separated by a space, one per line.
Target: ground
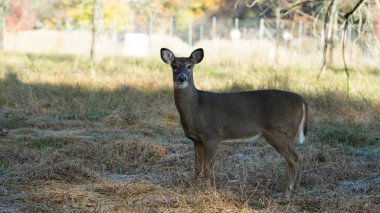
pixel 108 138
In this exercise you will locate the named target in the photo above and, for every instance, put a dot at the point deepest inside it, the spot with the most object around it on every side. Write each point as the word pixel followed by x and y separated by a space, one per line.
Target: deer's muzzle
pixel 181 78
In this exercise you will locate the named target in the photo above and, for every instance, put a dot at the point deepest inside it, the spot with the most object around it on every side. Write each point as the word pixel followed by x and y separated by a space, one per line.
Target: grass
pixel 110 140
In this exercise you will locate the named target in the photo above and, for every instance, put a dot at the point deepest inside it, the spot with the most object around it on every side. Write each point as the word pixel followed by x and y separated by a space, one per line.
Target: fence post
pixel 213 27
pixel 2 29
pixel 96 53
pixel 300 36
pixel 349 35
pixel 237 23
pixel 190 32
pixel 262 28
pixel 201 33
pixel 171 26
pixel 276 56
pixel 150 25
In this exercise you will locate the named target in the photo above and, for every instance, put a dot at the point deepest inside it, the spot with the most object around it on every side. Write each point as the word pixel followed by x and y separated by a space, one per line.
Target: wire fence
pixel 301 35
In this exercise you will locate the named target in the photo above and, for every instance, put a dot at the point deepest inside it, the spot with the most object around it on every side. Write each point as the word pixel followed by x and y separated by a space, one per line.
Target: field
pixel 108 139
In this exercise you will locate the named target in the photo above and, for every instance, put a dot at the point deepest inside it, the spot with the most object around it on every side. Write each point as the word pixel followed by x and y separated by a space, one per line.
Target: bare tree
pixel 330 22
pixel 97 30
pixel 3 10
pixel 329 28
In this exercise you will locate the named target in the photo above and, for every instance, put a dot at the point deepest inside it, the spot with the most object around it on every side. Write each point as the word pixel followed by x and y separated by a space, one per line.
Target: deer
pixel 210 119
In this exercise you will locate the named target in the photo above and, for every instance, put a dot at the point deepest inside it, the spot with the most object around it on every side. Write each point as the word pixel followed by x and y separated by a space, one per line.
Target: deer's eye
pixel 174 66
pixel 189 66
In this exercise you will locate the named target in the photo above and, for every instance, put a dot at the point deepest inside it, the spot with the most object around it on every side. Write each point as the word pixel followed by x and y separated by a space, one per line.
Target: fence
pixel 299 35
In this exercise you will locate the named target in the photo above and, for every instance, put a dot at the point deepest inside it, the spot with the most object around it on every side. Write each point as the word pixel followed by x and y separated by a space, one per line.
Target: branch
pixel 4 6
pixel 285 11
pixel 253 3
pixel 300 12
pixel 349 14
pixel 326 38
pixel 345 25
pixel 236 4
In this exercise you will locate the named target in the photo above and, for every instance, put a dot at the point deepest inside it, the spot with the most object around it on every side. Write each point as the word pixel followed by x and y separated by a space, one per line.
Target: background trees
pixel 3 9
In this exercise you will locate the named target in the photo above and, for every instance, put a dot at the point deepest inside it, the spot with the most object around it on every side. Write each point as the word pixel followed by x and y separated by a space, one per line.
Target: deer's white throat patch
pixel 179 85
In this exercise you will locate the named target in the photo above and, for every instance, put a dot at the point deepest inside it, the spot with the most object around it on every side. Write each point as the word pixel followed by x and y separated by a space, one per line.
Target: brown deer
pixel 210 119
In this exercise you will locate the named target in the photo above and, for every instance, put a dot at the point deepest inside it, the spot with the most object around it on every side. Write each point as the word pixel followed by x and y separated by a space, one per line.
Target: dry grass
pixel 110 141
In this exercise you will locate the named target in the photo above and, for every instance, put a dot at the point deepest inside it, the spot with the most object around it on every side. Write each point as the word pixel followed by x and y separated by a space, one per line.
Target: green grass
pixel 354 136
pixel 3 166
pixel 110 138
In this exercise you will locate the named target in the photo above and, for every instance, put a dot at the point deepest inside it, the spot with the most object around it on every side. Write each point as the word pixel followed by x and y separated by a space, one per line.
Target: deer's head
pixel 182 66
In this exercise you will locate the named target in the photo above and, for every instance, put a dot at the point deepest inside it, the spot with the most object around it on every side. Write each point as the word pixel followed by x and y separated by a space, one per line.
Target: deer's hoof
pixel 3 131
pixel 287 195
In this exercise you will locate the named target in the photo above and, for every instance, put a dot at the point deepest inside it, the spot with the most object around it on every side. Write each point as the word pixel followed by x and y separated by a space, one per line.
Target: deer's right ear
pixel 167 56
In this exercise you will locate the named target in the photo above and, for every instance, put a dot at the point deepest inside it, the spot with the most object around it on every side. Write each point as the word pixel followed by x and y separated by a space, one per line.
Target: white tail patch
pixel 301 136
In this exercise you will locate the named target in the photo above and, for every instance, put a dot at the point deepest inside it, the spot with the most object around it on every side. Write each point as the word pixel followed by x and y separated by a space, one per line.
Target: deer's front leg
pixel 210 149
pixel 199 159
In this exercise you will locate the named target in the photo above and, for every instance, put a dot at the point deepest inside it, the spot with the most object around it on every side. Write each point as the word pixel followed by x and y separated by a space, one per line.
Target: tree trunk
pixel 3 10
pixel 1 31
pixel 278 36
pixel 97 31
pixel 332 30
pixel 328 37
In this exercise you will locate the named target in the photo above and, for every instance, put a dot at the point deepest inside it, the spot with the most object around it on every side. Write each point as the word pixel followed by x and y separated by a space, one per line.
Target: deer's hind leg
pixel 298 178
pixel 210 150
pixel 284 144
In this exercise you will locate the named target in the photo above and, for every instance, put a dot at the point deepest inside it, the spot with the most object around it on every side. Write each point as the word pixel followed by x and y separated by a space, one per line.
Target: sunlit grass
pixel 209 75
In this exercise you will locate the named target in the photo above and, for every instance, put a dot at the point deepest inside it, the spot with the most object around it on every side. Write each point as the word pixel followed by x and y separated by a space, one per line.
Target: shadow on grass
pixel 75 102
pixel 336 118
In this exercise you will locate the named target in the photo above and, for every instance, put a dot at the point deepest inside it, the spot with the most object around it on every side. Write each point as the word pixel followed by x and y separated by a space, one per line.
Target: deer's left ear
pixel 197 56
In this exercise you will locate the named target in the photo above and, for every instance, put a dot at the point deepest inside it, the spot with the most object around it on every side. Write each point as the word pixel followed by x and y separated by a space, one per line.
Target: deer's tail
pixel 302 128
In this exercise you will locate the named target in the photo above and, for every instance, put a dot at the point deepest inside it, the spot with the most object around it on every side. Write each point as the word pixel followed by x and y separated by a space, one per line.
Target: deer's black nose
pixel 182 78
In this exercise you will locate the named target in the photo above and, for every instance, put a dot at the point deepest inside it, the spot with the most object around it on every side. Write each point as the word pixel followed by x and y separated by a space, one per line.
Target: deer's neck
pixel 186 101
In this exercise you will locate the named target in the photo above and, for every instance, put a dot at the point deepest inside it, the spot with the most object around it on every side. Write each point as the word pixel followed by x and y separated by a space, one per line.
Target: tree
pixel 344 12
pixel 79 13
pixel 97 30
pixel 3 10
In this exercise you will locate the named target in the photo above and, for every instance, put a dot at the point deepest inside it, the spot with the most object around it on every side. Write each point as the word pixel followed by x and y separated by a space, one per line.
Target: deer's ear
pixel 167 56
pixel 197 56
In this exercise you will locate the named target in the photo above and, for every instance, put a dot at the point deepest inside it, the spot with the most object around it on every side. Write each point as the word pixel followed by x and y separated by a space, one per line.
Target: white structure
pixel 135 44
